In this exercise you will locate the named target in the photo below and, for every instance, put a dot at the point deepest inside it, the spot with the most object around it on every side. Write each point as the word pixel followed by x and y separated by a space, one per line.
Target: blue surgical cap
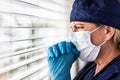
pixel 105 12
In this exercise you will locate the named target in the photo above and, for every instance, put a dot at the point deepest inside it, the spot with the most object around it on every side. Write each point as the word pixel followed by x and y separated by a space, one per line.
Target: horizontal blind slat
pixel 14 66
pixel 21 52
pixel 28 72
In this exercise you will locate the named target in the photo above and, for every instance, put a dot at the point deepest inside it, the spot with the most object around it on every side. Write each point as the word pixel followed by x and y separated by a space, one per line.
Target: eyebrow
pixel 79 24
pixel 72 24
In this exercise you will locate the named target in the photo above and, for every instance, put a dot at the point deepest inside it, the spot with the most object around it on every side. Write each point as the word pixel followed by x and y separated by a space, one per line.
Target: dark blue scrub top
pixel 110 72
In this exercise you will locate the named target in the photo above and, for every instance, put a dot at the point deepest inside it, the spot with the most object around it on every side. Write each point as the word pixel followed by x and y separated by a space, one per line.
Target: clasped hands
pixel 61 56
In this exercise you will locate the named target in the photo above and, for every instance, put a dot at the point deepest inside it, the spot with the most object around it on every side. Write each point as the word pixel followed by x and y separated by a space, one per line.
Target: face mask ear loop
pixel 95 29
pixel 102 43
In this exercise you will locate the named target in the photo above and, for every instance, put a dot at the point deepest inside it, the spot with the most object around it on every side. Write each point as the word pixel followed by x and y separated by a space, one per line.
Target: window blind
pixel 27 29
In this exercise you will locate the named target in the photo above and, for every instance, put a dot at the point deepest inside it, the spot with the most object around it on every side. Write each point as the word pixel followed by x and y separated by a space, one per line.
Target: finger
pixel 56 50
pixel 68 47
pixel 72 45
pixel 50 52
pixel 75 52
pixel 62 47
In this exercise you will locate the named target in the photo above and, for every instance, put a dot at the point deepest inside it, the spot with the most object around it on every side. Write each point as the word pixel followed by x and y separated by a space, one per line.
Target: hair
pixel 117 36
pixel 116 39
pixel 118 1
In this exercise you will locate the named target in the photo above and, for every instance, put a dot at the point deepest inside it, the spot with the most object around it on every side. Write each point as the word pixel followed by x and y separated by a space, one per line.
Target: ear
pixel 110 31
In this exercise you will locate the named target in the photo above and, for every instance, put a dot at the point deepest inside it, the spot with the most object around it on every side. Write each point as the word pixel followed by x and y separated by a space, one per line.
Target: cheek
pixel 97 38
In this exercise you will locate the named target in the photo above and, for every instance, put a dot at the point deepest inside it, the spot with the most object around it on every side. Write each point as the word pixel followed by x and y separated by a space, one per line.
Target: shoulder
pixel 115 68
pixel 116 64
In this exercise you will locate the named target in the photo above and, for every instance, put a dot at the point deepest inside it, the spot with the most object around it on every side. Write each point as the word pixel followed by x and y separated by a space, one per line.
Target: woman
pixel 95 39
pixel 106 65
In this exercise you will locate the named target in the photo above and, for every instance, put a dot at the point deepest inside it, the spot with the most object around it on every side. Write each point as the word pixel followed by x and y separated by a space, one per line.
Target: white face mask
pixel 82 41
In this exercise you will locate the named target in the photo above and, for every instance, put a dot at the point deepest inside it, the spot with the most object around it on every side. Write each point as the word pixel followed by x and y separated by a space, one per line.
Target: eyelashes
pixel 79 27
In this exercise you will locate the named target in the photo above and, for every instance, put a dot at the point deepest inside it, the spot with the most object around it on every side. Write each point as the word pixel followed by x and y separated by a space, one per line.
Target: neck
pixel 106 55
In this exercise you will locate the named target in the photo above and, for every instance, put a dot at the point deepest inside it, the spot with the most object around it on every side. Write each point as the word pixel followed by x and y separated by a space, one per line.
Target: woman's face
pixel 97 37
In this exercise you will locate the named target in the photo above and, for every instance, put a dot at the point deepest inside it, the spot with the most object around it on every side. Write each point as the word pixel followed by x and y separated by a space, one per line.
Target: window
pixel 27 28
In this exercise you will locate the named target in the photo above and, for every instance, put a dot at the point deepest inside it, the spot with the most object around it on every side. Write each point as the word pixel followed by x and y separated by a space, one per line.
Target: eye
pixel 79 27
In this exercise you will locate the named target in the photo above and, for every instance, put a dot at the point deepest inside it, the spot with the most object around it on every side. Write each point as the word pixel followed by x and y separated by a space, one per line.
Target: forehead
pixel 86 25
pixel 81 23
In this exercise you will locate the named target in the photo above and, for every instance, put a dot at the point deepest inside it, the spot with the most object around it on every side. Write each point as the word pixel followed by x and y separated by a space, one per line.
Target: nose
pixel 73 29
